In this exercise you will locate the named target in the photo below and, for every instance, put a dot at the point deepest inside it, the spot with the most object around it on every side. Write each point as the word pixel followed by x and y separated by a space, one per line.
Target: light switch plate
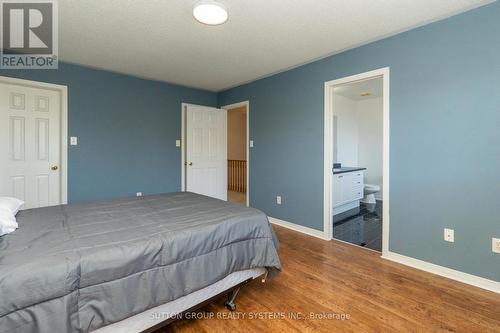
pixel 278 199
pixel 177 143
pixel 251 143
pixel 73 141
pixel 449 235
pixel 495 245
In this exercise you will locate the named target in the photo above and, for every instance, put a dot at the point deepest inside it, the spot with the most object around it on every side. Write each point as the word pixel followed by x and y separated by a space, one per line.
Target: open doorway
pixel 357 160
pixel 357 163
pixel 237 153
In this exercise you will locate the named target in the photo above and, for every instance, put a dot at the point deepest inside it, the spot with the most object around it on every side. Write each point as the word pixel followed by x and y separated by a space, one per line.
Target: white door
pixel 206 151
pixel 30 150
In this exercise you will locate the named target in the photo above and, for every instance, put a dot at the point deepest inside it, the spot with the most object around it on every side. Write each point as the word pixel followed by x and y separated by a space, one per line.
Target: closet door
pixel 30 145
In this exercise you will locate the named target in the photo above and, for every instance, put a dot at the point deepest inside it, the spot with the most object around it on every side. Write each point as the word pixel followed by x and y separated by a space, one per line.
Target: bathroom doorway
pixel 356 154
pixel 237 153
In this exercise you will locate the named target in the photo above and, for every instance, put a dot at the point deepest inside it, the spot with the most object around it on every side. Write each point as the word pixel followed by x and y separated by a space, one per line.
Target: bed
pixel 94 267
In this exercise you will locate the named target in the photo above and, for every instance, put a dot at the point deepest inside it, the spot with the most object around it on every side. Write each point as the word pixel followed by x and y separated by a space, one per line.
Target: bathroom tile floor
pixel 360 226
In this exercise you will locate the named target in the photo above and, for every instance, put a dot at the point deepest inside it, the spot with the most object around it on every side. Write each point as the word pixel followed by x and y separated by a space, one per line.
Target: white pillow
pixel 11 204
pixel 7 222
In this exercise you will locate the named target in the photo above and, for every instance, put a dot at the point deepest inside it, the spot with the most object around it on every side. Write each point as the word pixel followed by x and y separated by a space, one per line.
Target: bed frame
pixel 230 293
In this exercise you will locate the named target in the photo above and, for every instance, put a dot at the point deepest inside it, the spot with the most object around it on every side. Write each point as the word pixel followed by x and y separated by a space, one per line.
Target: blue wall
pixel 445 138
pixel 126 129
pixel 445 135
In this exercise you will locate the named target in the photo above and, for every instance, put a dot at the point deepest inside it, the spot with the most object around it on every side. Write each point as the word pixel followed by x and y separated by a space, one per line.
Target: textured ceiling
pixel 159 39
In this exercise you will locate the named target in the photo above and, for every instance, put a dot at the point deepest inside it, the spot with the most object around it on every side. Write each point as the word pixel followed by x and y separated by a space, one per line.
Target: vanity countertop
pixel 346 169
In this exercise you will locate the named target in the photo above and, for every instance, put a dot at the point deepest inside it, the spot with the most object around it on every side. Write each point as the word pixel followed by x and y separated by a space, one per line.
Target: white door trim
pixel 384 73
pixel 63 90
pixel 183 145
pixel 234 106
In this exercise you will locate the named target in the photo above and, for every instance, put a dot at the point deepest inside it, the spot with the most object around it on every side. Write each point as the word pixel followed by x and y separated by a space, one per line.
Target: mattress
pixel 156 315
pixel 80 267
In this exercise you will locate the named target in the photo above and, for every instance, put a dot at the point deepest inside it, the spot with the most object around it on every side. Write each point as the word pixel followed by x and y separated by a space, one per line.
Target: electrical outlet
pixel 449 235
pixel 495 245
pixel 251 143
pixel 177 143
pixel 73 141
pixel 138 194
pixel 278 199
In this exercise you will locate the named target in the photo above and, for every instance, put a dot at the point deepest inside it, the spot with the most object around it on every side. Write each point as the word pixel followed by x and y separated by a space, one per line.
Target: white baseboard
pixel 449 273
pixel 444 271
pixel 299 228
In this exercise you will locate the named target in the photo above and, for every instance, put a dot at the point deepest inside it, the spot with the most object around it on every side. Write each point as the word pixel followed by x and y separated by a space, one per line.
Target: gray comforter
pixel 75 268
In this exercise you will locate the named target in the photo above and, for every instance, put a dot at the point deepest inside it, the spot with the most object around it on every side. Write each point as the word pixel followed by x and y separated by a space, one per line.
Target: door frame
pixel 183 143
pixel 63 93
pixel 247 105
pixel 383 73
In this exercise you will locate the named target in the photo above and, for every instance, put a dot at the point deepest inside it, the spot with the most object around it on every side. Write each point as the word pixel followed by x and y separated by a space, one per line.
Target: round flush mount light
pixel 210 12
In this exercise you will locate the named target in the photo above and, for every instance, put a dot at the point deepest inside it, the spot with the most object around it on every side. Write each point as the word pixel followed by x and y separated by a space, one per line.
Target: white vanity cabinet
pixel 347 190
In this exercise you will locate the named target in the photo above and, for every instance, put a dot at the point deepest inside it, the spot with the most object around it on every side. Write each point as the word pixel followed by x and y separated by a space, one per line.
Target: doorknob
pixel 54 167
pixel 190 163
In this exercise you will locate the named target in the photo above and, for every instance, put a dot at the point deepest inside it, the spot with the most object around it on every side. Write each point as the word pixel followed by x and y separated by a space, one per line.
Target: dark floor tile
pixel 361 226
pixel 375 244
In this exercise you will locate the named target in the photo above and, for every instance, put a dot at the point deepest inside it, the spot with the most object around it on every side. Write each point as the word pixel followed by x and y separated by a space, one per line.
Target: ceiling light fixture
pixel 210 12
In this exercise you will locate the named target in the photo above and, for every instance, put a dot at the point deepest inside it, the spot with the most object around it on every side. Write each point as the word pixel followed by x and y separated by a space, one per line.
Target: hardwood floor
pixel 237 197
pixel 333 277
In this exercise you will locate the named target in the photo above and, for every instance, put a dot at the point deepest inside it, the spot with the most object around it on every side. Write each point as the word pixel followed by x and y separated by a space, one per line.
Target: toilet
pixel 369 193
